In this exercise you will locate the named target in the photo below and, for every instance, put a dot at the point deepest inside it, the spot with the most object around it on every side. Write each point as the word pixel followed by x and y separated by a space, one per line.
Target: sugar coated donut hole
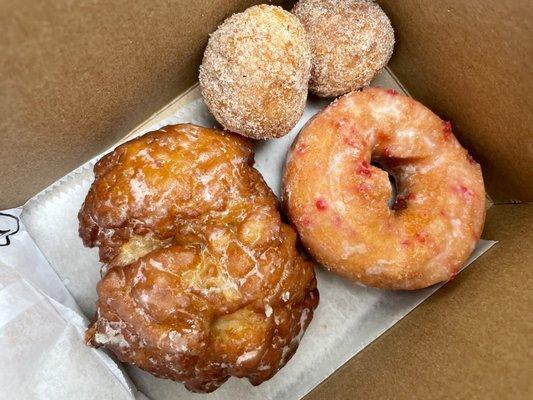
pixel 351 41
pixel 255 72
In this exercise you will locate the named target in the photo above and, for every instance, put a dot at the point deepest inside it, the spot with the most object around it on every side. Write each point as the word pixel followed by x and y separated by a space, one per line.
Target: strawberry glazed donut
pixel 338 200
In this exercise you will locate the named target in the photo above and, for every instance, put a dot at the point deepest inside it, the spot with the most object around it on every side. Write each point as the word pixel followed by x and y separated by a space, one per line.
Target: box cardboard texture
pixel 76 76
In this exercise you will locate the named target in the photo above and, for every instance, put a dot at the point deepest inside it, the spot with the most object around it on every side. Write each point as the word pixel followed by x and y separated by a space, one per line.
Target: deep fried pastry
pixel 342 214
pixel 350 40
pixel 255 71
pixel 204 279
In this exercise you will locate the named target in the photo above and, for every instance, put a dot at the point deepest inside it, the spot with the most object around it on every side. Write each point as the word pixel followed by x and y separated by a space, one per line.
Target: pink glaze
pixel 364 169
pixel 437 216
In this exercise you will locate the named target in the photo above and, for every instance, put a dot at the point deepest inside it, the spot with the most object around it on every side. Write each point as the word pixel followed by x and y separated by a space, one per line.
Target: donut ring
pixel 338 201
pixel 203 280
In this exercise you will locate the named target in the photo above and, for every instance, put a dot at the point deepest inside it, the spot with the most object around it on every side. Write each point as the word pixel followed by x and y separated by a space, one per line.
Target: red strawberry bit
pixel 321 204
pixel 452 275
pixel 349 132
pixel 350 141
pixel 447 129
pixel 464 192
pixel 301 148
pixel 336 219
pixel 364 169
pixel 392 92
pixel 421 237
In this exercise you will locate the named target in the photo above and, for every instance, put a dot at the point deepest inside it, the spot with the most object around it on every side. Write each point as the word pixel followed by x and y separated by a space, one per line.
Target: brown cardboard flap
pixel 470 340
pixel 470 61
pixel 76 76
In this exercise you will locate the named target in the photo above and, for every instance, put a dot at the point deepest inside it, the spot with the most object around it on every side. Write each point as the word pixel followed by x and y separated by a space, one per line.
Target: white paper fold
pixel 348 318
pixel 42 353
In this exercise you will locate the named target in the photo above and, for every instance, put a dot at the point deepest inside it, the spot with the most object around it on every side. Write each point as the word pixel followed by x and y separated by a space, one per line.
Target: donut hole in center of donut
pixel 392 202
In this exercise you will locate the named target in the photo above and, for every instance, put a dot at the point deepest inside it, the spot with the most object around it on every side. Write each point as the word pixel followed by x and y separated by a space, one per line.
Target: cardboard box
pixel 77 76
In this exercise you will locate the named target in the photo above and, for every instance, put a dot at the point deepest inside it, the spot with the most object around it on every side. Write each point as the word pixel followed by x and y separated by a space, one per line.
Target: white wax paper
pixel 42 353
pixel 348 318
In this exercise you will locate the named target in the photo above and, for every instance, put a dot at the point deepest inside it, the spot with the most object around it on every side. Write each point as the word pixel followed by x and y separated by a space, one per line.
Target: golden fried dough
pixel 255 71
pixel 350 40
pixel 204 280
pixel 341 213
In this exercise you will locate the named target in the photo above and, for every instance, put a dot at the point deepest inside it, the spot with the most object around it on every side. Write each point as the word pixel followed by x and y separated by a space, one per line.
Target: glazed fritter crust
pixel 203 280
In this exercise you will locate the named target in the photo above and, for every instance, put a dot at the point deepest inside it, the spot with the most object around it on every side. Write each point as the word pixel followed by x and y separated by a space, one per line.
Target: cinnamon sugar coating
pixel 351 41
pixel 255 72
